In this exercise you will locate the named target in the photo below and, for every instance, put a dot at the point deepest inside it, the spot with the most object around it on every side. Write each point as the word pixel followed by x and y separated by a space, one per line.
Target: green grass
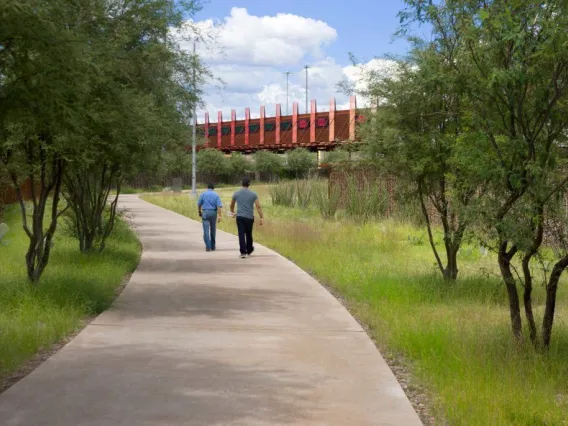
pixel 455 338
pixel 74 286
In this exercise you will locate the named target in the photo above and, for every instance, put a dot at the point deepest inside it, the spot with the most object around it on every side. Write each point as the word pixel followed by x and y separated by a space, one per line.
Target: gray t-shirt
pixel 245 199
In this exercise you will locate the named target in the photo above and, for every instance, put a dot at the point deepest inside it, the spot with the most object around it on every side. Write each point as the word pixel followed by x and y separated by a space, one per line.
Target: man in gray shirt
pixel 245 199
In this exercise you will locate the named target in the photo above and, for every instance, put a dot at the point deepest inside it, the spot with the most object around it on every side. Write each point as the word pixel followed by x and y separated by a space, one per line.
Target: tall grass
pixel 366 201
pixel 326 199
pixel 304 190
pixel 455 338
pixel 282 193
pixel 73 287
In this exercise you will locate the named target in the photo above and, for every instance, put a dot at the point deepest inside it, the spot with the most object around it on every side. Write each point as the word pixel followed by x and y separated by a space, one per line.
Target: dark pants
pixel 244 225
pixel 209 219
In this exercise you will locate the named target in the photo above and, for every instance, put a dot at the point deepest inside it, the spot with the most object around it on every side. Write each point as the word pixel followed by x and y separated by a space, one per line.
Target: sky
pixel 256 41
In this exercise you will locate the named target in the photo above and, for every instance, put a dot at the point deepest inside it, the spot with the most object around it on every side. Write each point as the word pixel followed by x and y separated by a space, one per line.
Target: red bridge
pixel 315 131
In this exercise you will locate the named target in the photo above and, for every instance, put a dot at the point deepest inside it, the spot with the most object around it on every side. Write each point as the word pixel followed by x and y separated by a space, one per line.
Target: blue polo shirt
pixel 209 200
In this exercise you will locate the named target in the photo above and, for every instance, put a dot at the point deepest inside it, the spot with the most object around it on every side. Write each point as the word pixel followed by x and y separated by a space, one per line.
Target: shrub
pixel 267 162
pixel 211 162
pixel 300 162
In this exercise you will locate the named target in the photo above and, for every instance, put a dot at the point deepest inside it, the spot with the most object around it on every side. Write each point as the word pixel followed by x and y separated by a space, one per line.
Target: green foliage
pixel 121 97
pixel 74 286
pixel 212 162
pixel 238 164
pixel 336 157
pixel 267 162
pixel 300 162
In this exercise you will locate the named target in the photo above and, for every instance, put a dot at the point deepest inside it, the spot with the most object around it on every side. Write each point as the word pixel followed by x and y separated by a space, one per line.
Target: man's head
pixel 246 182
pixel 211 186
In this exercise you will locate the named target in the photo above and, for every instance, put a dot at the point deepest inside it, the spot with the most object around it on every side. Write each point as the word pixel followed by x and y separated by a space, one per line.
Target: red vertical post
pixel 247 121
pixel 219 128
pixel 261 137
pixel 277 130
pixel 295 122
pixel 352 115
pixel 313 112
pixel 331 124
pixel 233 119
pixel 206 129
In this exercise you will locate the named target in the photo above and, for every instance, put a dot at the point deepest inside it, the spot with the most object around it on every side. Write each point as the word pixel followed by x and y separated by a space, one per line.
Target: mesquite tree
pixel 515 73
pixel 413 134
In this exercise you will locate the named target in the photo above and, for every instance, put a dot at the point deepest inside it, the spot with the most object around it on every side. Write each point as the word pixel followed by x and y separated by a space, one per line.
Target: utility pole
pixel 194 131
pixel 306 67
pixel 287 77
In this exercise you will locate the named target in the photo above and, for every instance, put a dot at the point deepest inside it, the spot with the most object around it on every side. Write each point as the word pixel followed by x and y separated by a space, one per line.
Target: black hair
pixel 246 182
pixel 211 186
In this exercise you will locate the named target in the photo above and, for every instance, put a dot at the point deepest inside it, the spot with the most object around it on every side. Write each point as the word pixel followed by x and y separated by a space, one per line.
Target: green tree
pixel 413 136
pixel 43 78
pixel 300 162
pixel 138 107
pixel 514 69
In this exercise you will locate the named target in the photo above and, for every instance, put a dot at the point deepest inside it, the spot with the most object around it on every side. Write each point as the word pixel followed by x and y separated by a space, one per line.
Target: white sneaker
pixel 243 256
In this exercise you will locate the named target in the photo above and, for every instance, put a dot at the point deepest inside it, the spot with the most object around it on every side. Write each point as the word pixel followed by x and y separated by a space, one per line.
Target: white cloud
pixel 251 53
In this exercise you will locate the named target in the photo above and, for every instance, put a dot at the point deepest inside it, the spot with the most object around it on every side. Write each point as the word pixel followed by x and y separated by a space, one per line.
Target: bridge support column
pixel 206 129
pixel 352 117
pixel 247 122
pixel 219 128
pixel 233 120
pixel 331 120
pixel 313 112
pixel 295 122
pixel 277 130
pixel 261 130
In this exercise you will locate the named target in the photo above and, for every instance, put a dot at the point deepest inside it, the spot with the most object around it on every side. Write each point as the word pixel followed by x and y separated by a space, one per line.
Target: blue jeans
pixel 209 219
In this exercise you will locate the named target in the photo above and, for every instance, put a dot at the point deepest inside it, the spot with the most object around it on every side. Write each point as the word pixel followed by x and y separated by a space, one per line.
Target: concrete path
pixel 202 338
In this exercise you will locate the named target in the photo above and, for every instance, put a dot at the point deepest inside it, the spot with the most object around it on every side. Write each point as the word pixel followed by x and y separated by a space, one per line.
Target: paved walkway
pixel 202 338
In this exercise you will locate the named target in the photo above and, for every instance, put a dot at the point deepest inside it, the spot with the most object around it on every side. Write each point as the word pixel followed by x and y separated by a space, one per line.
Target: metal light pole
pixel 306 67
pixel 194 133
pixel 287 77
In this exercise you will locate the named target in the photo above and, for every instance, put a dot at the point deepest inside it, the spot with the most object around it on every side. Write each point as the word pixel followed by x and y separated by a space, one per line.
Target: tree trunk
pixel 514 306
pixel 551 288
pixel 527 298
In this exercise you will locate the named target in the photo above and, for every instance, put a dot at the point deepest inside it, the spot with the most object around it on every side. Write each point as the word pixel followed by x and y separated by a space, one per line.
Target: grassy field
pixel 74 287
pixel 455 338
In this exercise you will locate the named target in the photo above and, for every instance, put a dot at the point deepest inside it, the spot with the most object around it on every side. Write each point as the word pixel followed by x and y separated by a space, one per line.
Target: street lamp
pixel 194 132
pixel 287 77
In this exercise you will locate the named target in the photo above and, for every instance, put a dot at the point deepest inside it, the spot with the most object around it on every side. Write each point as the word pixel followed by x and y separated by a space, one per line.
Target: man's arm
pixel 219 209
pixel 259 209
pixel 200 205
pixel 232 208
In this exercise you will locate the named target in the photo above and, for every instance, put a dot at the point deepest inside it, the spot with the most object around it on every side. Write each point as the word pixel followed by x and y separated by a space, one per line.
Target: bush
pixel 300 162
pixel 212 162
pixel 238 165
pixel 267 162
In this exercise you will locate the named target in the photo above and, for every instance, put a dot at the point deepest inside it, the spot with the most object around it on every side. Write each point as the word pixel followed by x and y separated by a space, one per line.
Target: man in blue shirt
pixel 210 208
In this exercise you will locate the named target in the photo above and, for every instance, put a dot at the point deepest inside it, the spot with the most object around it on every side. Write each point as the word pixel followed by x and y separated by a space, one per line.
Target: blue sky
pixel 364 27
pixel 257 40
